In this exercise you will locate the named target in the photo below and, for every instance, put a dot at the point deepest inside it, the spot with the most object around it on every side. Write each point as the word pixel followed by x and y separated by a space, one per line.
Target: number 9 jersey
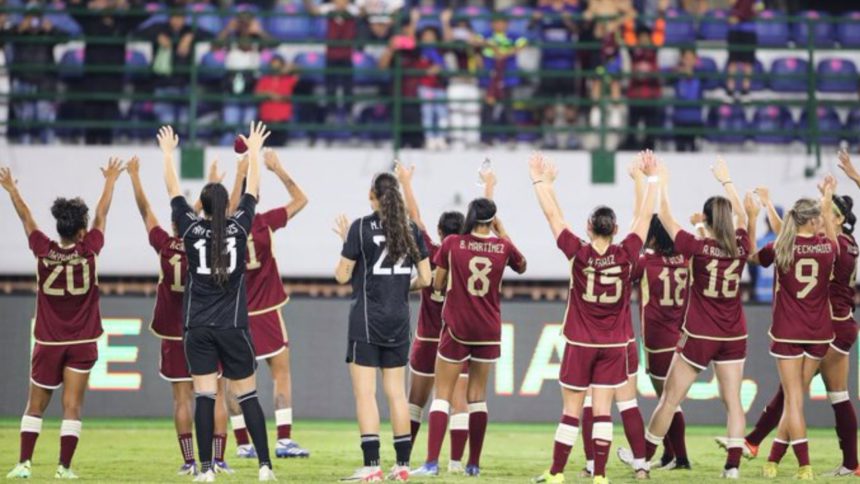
pixel 67 303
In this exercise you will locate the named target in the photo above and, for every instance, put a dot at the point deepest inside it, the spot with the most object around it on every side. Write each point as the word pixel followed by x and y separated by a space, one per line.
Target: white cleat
pixel 733 473
pixel 208 476
pixel 625 455
pixel 840 471
pixel 365 474
pixel 64 473
pixel 399 473
pixel 456 467
pixel 246 451
pixel 267 474
pixel 21 471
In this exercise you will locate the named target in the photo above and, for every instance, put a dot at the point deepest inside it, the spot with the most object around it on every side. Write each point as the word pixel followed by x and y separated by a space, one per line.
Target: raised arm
pixel 11 185
pixel 168 141
pixel 542 173
pixel 642 220
pixel 849 169
pixel 772 215
pixel 404 176
pixel 214 177
pixel 298 199
pixel 721 172
pixel 697 220
pixel 752 208
pixel 500 231
pixel 488 178
pixel 149 219
pixel 254 141
pixel 343 271
pixel 239 183
pixel 830 228
pixel 634 170
pixel 665 213
pixel 111 172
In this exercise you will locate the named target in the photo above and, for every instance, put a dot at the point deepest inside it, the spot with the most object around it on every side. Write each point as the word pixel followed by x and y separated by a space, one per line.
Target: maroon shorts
pixel 781 350
pixel 269 334
pixel 632 358
pixel 700 352
pixel 49 361
pixel 422 358
pixel 657 364
pixel 454 351
pixel 845 336
pixel 585 366
pixel 172 365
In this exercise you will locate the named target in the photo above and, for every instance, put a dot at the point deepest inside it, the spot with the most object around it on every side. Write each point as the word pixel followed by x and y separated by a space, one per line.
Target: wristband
pixel 726 182
pixel 700 226
pixel 536 182
pixel 653 179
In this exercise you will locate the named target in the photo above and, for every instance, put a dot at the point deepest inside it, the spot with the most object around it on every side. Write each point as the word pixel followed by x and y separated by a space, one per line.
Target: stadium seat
pixel 429 18
pixel 311 61
pixel 759 76
pixel 158 15
pixel 519 19
pixel 212 65
pixel 524 118
pixel 848 31
pixel 376 115
pixel 773 124
pixel 822 30
pixel 71 65
pixel 726 124
pixel 789 74
pixel 714 25
pixel 852 125
pixel 479 18
pixel 136 65
pixel 289 28
pixel 680 28
pixel 829 126
pixel 207 18
pixel 63 21
pixel 366 70
pixel 707 66
pixel 772 29
pixel 837 75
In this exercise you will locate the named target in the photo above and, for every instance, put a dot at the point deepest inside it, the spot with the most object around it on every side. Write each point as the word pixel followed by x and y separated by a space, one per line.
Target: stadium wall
pixel 337 181
pixel 523 388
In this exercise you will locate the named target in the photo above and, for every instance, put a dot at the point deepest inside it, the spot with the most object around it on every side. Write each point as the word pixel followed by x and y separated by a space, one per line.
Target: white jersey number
pixel 398 269
pixel 204 268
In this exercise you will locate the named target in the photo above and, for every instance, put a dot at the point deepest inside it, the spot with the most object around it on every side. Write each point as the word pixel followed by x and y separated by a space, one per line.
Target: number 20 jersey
pixel 173 272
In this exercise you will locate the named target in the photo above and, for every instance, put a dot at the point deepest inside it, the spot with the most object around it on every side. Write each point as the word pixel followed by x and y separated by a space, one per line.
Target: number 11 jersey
pixel 173 272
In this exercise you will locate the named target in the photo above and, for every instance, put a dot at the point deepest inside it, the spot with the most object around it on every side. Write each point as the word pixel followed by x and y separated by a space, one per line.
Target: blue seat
pixel 429 18
pixel 524 118
pixel 707 66
pixel 714 25
pixel 208 19
pixel 366 70
pixel 726 124
pixel 285 28
pixel 823 33
pixel 378 116
pixel 758 80
pixel 312 63
pixel 680 27
pixel 63 21
pixel 136 65
pixel 157 15
pixel 479 18
pixel 852 125
pixel 837 75
pixel 772 29
pixel 848 31
pixel 829 126
pixel 519 18
pixel 773 124
pixel 789 74
pixel 71 65
pixel 212 66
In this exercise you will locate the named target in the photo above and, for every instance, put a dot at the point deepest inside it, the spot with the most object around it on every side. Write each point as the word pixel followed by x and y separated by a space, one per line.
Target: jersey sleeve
pixel 183 215
pixel 352 246
pixel 441 259
pixel 632 246
pixel 158 238
pixel 39 243
pixel 244 215
pixel 432 247
pixel 687 244
pixel 423 249
pixel 275 219
pixel 766 255
pixel 638 269
pixel 568 243
pixel 744 240
pixel 94 241
pixel 515 257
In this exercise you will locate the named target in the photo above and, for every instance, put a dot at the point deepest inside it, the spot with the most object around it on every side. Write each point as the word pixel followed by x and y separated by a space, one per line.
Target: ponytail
pixel 843 205
pixel 804 211
pixel 214 199
pixel 481 211
pixel 395 223
pixel 720 220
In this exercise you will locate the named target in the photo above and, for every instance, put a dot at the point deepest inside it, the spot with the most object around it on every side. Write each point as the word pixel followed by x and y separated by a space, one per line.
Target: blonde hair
pixel 803 211
pixel 721 222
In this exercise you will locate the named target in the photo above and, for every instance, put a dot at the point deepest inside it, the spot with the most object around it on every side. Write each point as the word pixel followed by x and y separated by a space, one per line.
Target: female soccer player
pixel 379 252
pixel 597 321
pixel 714 328
pixel 216 309
pixel 422 358
pixel 469 268
pixel 68 321
pixel 167 326
pixel 266 297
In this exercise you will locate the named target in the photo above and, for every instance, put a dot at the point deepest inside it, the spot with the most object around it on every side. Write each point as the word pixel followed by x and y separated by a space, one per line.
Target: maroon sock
pixel 68 444
pixel 733 457
pixel 413 429
pixel 846 430
pixel 565 437
pixel 777 451
pixel 241 435
pixel 768 420
pixel 668 452
pixel 650 450
pixel 437 423
pixel 602 442
pixel 677 435
pixel 478 418
pixel 28 444
pixel 186 446
pixel 458 443
pixel 585 428
pixel 801 451
pixel 634 428
pixel 219 444
pixel 285 431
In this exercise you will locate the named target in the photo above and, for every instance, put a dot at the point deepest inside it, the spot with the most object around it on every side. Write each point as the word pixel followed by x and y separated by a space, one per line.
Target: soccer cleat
pixel 625 455
pixel 427 469
pixel 64 473
pixel 600 480
pixel 287 448
pixel 399 473
pixel 246 451
pixel 750 451
pixel 840 471
pixel 661 465
pixel 21 471
pixel 208 476
pixel 586 473
pixel 365 474
pixel 769 470
pixel 682 466
pixel 548 478
pixel 189 469
pixel 472 470
pixel 267 474
pixel 804 473
pixel 733 473
pixel 456 467
pixel 221 467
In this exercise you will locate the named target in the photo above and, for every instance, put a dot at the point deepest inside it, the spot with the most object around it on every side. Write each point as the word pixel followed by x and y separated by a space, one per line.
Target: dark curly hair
pixel 72 215
pixel 451 223
pixel 395 223
pixel 603 221
pixel 215 199
pixel 658 239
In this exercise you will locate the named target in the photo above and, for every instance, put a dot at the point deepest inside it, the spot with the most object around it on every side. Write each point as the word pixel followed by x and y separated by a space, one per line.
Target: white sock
pixel 415 412
pixel 70 428
pixel 31 424
pixel 237 422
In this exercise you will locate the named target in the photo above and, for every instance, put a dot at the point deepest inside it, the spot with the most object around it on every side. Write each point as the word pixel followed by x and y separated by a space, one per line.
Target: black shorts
pixel 206 348
pixel 743 39
pixel 376 356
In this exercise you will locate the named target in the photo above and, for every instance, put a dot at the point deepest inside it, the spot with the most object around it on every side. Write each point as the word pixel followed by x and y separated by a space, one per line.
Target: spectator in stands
pixel 277 86
pixel 172 53
pixel 341 32
pixel 245 25
pixel 431 90
pixel 603 20
pixel 643 41
pixel 405 47
pixel 242 64
pixel 742 40
pixel 463 93
pixel 688 89
pixel 553 22
pixel 32 72
pixel 501 51
pixel 5 84
pixel 380 16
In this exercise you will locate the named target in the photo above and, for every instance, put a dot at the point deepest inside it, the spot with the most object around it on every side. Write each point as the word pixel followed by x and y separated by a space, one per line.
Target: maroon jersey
pixel 475 264
pixel 801 305
pixel 714 310
pixel 598 306
pixel 663 292
pixel 167 319
pixel 430 313
pixel 843 280
pixel 265 289
pixel 67 303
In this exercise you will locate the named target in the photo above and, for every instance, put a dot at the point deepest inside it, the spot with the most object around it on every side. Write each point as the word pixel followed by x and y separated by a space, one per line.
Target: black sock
pixel 370 449
pixel 403 449
pixel 256 424
pixel 204 427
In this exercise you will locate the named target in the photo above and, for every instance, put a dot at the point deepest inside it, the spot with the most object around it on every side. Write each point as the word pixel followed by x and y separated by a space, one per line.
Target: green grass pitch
pixel 145 450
